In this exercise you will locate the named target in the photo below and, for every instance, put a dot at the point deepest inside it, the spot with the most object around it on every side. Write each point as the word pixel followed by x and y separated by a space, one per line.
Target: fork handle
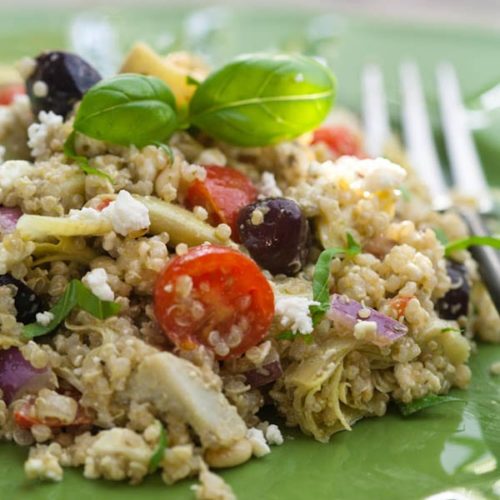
pixel 487 257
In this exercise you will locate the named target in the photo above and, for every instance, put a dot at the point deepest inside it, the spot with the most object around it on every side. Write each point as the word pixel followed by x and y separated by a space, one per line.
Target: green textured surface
pixel 453 446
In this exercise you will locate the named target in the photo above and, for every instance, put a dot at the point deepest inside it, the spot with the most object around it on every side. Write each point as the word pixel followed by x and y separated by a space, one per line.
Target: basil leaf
pixel 441 236
pixel 75 294
pixel 165 148
pixel 128 109
pixel 490 241
pixel 289 335
pixel 425 402
pixel 321 276
pixel 259 99
pixel 157 456
pixel 81 161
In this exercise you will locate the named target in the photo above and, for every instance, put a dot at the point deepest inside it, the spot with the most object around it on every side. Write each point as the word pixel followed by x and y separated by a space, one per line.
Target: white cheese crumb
pixel 85 213
pixel 273 435
pixel 126 214
pixel 44 318
pixel 268 187
pixel 12 170
pixel 39 133
pixel 97 282
pixel 294 314
pixel 258 442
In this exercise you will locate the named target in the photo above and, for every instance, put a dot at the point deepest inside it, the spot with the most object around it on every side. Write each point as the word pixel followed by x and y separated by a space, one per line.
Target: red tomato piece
pixel 399 304
pixel 223 193
pixel 340 140
pixel 9 91
pixel 24 417
pixel 216 297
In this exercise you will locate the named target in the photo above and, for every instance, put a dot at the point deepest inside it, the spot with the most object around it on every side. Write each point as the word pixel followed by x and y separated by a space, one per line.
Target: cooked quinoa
pixel 109 383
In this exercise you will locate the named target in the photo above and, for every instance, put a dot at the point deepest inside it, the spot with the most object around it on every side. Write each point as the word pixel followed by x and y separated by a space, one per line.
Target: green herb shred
pixel 75 295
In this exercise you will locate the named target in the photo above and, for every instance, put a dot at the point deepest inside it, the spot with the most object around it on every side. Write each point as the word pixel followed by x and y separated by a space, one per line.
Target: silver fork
pixel 467 173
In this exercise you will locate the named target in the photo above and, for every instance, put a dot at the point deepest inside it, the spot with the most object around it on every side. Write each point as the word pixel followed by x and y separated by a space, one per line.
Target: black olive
pixel 276 233
pixel 456 301
pixel 66 77
pixel 26 301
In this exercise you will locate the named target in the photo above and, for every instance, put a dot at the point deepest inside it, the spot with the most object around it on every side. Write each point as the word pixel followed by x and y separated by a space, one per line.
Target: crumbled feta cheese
pixel 12 170
pixel 268 187
pixel 126 214
pixel 294 314
pixel 258 442
pixel 44 318
pixel 85 213
pixel 273 435
pixel 370 175
pixel 97 282
pixel 38 133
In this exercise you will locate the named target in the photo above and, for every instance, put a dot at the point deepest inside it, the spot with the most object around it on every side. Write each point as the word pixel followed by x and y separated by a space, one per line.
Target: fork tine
pixel 465 165
pixel 375 114
pixel 418 136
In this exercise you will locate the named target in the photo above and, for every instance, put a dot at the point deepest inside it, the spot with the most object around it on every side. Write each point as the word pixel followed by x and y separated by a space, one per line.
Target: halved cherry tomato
pixel 9 91
pixel 398 305
pixel 216 297
pixel 24 417
pixel 223 193
pixel 340 140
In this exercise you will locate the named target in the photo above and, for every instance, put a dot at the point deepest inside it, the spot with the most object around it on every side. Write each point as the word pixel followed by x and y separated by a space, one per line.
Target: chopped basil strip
pixel 463 244
pixel 157 456
pixel 289 335
pixel 321 276
pixel 75 295
pixel 81 161
pixel 441 236
pixel 426 402
pixel 165 148
pixel 405 193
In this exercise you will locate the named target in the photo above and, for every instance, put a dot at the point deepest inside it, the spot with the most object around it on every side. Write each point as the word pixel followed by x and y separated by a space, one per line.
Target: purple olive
pixel 276 233
pixel 456 301
pixel 26 301
pixel 65 78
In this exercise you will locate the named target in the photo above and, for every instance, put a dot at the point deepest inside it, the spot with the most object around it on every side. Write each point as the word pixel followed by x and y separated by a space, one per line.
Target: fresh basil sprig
pixel 157 456
pixel 128 109
pixel 463 244
pixel 75 294
pixel 81 161
pixel 425 402
pixel 262 99
pixel 322 274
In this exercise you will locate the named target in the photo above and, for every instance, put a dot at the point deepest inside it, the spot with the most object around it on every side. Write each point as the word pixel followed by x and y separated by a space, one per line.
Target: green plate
pixel 453 448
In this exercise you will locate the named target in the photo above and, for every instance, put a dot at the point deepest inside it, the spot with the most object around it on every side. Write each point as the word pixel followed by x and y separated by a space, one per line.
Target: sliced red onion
pixel 18 376
pixel 265 374
pixel 9 218
pixel 346 312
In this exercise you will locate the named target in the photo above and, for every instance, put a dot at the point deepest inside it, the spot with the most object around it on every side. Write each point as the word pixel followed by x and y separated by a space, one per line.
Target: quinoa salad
pixel 183 247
